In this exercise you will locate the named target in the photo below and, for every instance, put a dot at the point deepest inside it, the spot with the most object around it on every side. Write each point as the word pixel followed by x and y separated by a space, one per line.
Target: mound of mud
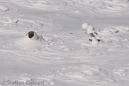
pixel 33 43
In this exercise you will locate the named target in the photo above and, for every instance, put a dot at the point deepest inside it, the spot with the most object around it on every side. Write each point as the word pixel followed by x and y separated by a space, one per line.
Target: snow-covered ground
pixel 65 57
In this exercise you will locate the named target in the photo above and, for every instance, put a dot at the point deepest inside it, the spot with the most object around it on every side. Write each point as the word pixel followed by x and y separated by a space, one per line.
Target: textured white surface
pixel 65 57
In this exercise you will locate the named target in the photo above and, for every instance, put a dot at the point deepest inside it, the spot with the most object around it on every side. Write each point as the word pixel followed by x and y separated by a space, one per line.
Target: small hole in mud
pixel 30 34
